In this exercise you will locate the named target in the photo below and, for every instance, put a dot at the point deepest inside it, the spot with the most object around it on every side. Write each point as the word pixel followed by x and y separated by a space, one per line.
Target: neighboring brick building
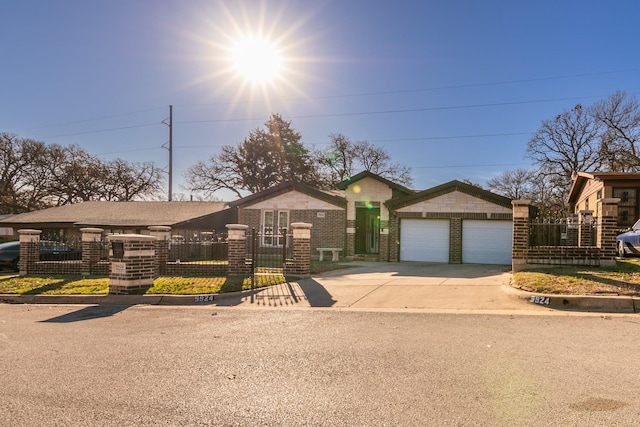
pixel 588 188
pixel 124 217
pixel 375 219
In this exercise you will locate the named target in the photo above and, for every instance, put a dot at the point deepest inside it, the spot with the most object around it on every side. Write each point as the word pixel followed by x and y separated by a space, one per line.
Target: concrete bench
pixel 334 251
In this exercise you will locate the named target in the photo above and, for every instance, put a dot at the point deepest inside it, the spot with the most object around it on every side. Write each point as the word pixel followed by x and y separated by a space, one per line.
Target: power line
pixel 99 131
pixel 393 92
pixel 354 95
pixel 419 138
pixel 130 151
pixel 92 120
pixel 407 110
pixel 470 166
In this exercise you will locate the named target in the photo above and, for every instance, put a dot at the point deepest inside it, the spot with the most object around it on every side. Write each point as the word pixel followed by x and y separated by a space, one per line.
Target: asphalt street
pixel 139 365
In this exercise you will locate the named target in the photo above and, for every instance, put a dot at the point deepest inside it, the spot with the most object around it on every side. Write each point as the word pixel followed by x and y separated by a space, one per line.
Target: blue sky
pixel 453 89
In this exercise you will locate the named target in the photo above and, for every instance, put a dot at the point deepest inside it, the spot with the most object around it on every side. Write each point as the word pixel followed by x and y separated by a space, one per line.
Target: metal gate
pixel 268 253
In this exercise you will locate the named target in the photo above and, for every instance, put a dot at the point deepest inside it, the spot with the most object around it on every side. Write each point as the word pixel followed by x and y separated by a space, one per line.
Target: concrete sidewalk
pixel 406 286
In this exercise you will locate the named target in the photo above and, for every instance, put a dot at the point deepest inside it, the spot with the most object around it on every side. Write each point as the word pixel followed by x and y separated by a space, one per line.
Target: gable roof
pixel 368 174
pixel 120 214
pixel 286 187
pixel 449 187
pixel 581 178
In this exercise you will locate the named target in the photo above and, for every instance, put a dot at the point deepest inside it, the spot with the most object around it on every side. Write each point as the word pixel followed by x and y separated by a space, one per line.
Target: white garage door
pixel 486 242
pixel 424 240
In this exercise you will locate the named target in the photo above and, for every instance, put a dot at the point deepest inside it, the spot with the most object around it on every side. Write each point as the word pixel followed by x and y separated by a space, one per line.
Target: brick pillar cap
pixel 159 228
pixel 29 231
pixel 92 230
pixel 237 226
pixel 130 237
pixel 520 202
pixel 301 225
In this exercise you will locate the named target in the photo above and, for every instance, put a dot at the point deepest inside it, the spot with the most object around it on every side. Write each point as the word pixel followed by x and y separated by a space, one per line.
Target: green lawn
pixel 77 285
pixel 622 279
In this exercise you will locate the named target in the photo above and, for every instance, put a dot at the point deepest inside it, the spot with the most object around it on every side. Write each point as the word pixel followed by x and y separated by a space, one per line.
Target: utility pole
pixel 170 152
pixel 170 149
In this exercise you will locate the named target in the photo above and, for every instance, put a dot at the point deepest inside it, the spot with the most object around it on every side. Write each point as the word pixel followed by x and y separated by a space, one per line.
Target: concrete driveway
pixel 393 286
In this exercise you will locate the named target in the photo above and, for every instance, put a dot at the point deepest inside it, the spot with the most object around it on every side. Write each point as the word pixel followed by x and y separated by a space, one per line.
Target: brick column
pixel 301 250
pixel 394 238
pixel 520 242
pixel 607 226
pixel 572 230
pixel 455 241
pixel 162 233
pixel 237 241
pixel 29 250
pixel 585 219
pixel 384 240
pixel 91 247
pixel 351 237
pixel 132 259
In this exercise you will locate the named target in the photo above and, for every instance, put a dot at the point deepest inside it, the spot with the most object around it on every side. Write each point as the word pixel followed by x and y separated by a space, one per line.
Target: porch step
pixel 367 257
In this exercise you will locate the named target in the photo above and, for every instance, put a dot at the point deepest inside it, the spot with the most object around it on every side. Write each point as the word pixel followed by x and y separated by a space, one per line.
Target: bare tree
pixel 345 158
pixel 23 182
pixel 34 175
pixel 516 185
pixel 129 181
pixel 568 144
pixel 620 141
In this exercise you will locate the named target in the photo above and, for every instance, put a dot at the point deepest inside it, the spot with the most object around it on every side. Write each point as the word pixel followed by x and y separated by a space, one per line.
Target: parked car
pixel 629 243
pixel 49 251
pixel 9 255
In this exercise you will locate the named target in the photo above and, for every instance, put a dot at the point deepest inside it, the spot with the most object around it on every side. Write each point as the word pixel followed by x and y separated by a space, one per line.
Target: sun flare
pixel 257 60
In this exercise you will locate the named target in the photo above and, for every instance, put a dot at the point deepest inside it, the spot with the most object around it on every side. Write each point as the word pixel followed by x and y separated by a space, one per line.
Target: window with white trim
pixel 275 225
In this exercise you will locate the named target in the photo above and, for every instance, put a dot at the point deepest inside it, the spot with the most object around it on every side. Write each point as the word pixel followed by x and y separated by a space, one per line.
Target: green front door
pixel 367 230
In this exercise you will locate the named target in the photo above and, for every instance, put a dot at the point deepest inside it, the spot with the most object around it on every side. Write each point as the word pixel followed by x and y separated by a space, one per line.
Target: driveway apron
pixel 403 285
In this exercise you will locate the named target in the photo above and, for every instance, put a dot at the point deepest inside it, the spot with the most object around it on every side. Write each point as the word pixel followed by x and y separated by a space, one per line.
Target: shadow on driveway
pixel 89 313
pixel 290 294
pixel 422 269
pixel 316 294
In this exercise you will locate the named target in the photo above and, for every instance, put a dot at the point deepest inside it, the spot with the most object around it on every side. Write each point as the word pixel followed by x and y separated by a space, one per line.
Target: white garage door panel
pixel 486 242
pixel 424 240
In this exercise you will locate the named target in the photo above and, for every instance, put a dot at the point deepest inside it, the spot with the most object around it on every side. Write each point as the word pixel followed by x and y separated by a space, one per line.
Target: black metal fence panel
pixel 269 250
pixel 562 233
pixel 191 246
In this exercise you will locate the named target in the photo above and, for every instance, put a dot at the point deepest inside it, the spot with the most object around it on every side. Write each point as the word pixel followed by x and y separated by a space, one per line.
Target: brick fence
pixel 583 253
pixel 144 257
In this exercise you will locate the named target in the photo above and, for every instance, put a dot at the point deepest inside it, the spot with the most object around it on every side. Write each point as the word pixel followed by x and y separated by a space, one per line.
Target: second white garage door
pixel 486 242
pixel 424 240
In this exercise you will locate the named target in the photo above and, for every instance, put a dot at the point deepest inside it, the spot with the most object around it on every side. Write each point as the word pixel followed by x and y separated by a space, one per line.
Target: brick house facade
pixel 365 217
pixel 588 188
pixel 287 203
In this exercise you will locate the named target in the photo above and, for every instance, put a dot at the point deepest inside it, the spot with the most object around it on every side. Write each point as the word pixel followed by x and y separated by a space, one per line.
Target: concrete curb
pixel 589 303
pixel 159 299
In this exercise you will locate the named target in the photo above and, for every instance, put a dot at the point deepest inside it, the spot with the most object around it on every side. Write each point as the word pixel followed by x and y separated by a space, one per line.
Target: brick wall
pixel 603 253
pixel 328 225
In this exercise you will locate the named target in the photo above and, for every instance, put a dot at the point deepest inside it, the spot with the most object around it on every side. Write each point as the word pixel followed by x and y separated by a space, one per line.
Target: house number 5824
pixel 540 300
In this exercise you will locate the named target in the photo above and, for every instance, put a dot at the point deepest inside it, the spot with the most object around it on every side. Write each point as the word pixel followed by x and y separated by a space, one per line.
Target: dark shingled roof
pixel 122 214
pixel 449 187
pixel 285 187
